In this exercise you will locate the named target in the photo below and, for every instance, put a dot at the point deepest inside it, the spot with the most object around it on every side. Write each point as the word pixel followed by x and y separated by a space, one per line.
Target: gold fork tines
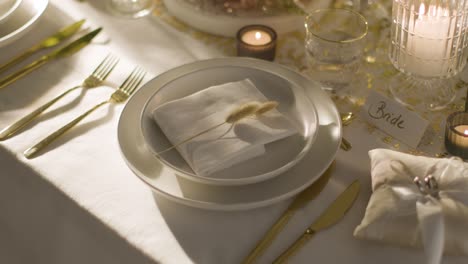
pixel 98 76
pixel 126 89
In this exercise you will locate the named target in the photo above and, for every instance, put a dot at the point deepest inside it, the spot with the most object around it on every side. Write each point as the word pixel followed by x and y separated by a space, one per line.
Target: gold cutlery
pixel 96 78
pixel 332 215
pixel 66 51
pixel 49 42
pixel 346 119
pixel 299 202
pixel 345 144
pixel 120 95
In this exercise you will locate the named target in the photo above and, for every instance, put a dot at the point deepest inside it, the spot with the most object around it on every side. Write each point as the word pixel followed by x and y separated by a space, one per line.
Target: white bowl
pixel 7 8
pixel 280 155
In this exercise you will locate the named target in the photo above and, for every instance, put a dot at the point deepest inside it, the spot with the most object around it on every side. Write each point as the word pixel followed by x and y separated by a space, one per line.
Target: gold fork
pixel 96 78
pixel 126 89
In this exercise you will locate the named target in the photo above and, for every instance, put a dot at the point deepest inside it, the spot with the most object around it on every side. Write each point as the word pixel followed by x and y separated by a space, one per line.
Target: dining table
pixel 79 201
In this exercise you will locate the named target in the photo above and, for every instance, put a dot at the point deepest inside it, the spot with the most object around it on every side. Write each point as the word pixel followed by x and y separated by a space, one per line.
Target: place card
pixel 394 119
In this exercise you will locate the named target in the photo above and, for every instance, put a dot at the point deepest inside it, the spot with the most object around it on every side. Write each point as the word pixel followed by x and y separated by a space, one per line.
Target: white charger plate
pixel 22 20
pixel 279 155
pixel 7 7
pixel 163 181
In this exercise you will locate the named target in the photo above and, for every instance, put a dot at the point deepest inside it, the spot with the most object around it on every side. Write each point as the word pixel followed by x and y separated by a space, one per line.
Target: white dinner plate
pixel 163 181
pixel 7 7
pixel 279 155
pixel 22 20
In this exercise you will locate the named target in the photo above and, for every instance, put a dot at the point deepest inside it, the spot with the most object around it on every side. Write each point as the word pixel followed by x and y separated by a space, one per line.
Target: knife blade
pixel 68 50
pixel 300 201
pixel 75 46
pixel 332 215
pixel 48 42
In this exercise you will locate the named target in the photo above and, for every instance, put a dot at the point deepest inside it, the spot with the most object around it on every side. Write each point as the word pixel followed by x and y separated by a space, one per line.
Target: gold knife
pixel 68 50
pixel 332 215
pixel 49 42
pixel 299 202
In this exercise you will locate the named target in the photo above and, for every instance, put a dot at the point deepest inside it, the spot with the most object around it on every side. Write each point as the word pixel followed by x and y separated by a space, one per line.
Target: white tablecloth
pixel 80 203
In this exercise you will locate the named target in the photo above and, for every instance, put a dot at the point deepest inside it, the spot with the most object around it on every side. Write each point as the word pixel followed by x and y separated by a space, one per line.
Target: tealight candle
pixel 256 37
pixel 456 134
pixel 464 131
pixel 256 41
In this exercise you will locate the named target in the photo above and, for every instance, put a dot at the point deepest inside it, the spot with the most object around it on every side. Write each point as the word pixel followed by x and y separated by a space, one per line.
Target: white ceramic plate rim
pixel 10 11
pixel 247 180
pixel 7 39
pixel 330 126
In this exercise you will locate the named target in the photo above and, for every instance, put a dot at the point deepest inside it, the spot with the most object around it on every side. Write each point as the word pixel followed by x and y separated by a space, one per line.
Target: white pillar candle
pixel 429 41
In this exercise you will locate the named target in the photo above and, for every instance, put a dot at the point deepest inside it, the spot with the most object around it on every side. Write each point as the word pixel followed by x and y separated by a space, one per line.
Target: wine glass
pixel 131 8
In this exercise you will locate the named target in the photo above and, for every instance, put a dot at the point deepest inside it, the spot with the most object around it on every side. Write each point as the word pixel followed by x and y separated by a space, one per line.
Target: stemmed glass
pixel 131 8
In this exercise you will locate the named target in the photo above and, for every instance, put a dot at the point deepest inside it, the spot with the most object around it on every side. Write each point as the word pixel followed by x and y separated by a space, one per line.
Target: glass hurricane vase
pixel 428 47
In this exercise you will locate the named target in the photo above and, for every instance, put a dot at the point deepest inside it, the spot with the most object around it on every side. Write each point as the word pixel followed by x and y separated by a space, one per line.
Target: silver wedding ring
pixel 427 187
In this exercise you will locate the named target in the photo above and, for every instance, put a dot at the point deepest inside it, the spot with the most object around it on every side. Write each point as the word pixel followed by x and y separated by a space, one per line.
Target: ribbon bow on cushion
pixel 418 201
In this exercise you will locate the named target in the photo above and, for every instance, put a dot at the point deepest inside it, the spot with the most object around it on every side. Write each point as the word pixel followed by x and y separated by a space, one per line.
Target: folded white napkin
pixel 399 213
pixel 185 117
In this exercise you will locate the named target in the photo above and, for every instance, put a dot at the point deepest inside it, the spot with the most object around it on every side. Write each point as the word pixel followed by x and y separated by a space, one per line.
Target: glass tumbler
pixel 335 40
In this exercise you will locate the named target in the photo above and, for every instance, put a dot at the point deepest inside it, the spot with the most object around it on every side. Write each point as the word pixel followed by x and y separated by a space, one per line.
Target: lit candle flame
pixel 466 132
pixel 258 35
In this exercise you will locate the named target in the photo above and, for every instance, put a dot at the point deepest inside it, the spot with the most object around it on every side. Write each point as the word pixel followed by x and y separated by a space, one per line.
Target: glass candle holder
pixel 334 45
pixel 256 41
pixel 456 134
pixel 428 47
